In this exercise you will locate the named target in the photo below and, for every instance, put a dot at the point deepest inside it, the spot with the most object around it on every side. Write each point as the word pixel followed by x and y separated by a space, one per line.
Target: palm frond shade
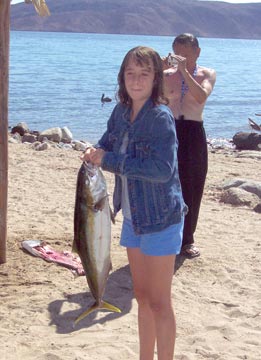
pixel 40 7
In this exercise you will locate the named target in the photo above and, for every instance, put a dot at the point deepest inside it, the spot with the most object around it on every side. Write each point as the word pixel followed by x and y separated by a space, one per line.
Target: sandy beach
pixel 217 297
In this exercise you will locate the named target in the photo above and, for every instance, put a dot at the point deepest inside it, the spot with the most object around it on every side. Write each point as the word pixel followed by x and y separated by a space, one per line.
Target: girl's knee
pixel 161 306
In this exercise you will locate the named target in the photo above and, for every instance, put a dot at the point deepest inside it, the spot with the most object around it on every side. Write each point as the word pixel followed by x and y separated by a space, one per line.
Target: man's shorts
pixel 165 242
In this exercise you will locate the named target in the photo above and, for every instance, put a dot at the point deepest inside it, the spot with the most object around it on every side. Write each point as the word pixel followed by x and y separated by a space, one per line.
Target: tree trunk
pixel 4 84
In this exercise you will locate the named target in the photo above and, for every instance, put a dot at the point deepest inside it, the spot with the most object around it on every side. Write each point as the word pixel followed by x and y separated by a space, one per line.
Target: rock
pixel 257 208
pixel 233 183
pixel 66 135
pixel 52 134
pixel 80 145
pixel 29 138
pixel 247 141
pixel 251 186
pixel 12 140
pixel 15 138
pixel 21 128
pixel 42 146
pixel 35 132
pixel 239 197
pixel 67 147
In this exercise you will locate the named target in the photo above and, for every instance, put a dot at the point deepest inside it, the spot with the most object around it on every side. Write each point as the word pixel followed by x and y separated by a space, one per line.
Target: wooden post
pixel 4 85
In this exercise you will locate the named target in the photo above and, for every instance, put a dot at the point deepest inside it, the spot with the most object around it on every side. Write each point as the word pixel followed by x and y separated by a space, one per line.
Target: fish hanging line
pixel 184 86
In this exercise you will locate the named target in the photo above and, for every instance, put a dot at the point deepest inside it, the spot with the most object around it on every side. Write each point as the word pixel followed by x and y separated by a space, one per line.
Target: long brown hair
pixel 142 56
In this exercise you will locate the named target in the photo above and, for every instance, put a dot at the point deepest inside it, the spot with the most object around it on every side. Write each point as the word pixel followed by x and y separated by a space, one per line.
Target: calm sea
pixel 57 79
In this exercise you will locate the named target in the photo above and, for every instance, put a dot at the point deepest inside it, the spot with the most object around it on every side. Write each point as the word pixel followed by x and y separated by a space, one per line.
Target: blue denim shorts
pixel 165 242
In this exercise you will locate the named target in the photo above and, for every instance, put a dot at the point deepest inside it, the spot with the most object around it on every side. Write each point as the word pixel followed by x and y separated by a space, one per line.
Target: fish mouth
pixel 92 169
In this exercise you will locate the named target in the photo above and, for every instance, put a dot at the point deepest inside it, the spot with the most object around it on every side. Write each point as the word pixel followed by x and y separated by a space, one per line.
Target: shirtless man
pixel 187 86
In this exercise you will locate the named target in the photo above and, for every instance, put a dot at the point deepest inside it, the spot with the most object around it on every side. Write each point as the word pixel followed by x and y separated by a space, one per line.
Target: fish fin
pixel 112 216
pixel 86 312
pixel 110 307
pixel 74 247
pixel 100 204
pixel 104 305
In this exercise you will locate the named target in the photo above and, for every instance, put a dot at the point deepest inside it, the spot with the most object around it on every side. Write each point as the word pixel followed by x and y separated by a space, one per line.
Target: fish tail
pixel 103 305
pixel 107 306
pixel 86 312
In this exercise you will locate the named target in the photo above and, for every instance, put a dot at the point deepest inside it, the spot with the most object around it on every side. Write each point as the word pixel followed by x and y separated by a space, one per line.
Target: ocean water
pixel 57 79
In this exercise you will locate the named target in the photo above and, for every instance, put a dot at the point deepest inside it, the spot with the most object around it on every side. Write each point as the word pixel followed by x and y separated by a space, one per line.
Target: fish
pixel 92 233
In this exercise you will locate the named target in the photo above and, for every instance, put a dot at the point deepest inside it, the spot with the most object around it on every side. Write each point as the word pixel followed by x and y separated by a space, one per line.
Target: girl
pixel 140 148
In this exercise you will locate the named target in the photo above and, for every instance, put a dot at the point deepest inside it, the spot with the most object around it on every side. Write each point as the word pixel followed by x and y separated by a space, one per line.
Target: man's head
pixel 187 40
pixel 187 45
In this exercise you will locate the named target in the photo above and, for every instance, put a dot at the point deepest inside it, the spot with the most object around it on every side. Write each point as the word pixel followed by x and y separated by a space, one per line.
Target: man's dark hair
pixel 186 39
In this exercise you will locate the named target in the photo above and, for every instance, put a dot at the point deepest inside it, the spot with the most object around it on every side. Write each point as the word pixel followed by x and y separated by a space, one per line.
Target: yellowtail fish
pixel 92 233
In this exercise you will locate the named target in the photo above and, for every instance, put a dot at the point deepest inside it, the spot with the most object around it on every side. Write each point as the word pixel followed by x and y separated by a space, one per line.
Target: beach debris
pixel 220 143
pixel 92 233
pixel 227 304
pixel 105 99
pixel 247 141
pixel 254 125
pixel 65 258
pixel 40 7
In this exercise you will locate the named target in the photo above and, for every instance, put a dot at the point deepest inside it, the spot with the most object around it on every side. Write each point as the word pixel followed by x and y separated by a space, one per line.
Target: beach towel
pixel 43 250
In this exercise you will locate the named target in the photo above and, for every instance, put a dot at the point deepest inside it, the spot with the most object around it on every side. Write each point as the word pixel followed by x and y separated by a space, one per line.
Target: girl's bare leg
pixel 146 323
pixel 152 278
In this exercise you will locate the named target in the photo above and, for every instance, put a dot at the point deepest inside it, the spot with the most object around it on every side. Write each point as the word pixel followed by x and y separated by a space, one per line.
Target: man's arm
pixel 200 91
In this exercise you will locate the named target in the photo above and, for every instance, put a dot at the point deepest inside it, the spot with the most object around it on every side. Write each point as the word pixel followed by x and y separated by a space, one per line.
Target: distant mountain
pixel 154 17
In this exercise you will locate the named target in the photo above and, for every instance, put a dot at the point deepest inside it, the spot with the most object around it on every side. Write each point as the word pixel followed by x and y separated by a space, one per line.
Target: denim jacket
pixel 150 165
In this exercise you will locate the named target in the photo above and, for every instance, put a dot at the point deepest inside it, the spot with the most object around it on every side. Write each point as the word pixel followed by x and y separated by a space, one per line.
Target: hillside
pixel 164 17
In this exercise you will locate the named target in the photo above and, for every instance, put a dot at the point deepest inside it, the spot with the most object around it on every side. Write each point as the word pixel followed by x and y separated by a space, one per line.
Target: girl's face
pixel 139 80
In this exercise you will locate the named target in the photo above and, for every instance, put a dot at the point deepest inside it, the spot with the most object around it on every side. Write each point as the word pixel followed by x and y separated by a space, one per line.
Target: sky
pixel 230 1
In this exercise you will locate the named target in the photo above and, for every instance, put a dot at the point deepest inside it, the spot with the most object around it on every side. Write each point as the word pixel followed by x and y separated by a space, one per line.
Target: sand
pixel 217 297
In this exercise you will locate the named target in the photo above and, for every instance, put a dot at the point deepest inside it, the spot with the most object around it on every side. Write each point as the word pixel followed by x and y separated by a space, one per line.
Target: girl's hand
pixel 86 155
pixel 93 156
